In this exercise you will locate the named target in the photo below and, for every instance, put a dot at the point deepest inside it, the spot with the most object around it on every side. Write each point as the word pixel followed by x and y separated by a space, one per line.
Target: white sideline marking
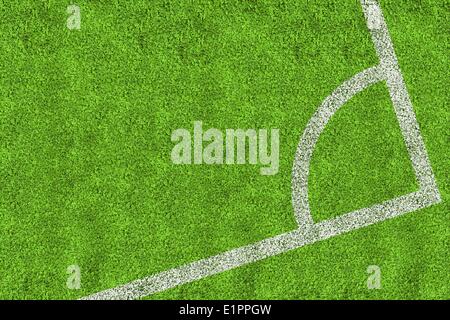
pixel 309 232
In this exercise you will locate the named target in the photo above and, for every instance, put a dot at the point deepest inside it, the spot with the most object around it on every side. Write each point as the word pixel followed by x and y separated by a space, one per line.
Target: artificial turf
pixel 86 118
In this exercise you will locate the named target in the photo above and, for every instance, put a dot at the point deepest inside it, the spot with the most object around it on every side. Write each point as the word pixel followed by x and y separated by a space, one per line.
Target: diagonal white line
pixel 263 249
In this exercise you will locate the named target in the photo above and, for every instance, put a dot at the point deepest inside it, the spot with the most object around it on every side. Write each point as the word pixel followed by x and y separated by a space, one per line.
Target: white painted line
pixel 316 125
pixel 309 232
pixel 263 249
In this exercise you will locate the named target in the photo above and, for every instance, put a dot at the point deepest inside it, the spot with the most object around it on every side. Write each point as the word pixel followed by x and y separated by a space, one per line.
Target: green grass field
pixel 86 117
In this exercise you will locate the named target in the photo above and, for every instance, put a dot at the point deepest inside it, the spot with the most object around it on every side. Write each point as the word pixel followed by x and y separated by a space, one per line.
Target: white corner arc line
pixel 317 123
pixel 309 232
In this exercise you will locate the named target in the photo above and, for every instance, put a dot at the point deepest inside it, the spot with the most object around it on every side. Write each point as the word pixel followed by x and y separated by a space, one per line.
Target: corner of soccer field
pixel 90 188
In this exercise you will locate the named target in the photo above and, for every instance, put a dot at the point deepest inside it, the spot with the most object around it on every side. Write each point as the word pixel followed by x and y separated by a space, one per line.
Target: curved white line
pixel 316 125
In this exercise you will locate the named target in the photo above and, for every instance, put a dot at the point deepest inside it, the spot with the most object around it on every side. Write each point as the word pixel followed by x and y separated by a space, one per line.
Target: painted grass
pixel 85 125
